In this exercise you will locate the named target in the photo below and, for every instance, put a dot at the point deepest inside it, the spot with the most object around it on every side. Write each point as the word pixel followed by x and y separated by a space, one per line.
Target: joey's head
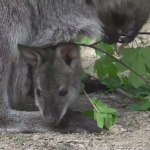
pixel 56 74
pixel 121 19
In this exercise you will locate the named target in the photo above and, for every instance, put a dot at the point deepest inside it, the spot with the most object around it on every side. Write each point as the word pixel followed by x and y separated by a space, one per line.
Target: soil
pixel 131 132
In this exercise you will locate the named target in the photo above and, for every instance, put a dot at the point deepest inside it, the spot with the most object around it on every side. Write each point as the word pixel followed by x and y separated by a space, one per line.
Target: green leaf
pixel 147 69
pixel 144 106
pixel 108 110
pixel 135 80
pixel 126 84
pixel 145 52
pixel 84 40
pixel 100 119
pixel 106 60
pixel 101 46
pixel 148 97
pixel 144 99
pixel 107 116
pixel 114 80
pixel 108 121
pixel 141 91
pixel 99 53
pixel 84 76
pixel 101 73
pixel 139 67
pixel 102 107
pixel 94 99
pixel 88 113
pixel 109 49
pixel 104 66
pixel 112 70
pixel 115 119
pixel 97 102
pixel 82 87
pixel 136 59
pixel 87 40
pixel 120 67
pixel 111 83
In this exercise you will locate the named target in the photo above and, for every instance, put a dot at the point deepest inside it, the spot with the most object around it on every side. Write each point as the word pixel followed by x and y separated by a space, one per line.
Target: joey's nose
pixel 51 120
pixel 51 115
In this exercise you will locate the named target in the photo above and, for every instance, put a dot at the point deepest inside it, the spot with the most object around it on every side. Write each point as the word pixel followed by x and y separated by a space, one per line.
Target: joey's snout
pixel 54 108
pixel 51 120
pixel 53 116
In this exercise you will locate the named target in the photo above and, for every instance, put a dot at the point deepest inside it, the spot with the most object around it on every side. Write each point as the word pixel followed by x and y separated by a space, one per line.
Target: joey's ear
pixel 69 52
pixel 30 55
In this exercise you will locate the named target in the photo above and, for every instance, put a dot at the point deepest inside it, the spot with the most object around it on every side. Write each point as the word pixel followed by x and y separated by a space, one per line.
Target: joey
pixel 56 78
pixel 56 74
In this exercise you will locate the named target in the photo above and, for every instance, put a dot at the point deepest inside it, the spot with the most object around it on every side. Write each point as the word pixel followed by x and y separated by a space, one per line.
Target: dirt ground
pixel 131 132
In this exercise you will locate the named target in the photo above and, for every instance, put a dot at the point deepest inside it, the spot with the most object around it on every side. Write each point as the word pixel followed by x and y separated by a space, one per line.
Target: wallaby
pixel 35 23
pixel 56 74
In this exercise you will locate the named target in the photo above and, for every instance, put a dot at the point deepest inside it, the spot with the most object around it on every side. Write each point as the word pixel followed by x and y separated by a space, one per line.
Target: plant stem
pixel 120 91
pixel 90 101
pixel 89 66
pixel 95 43
pixel 144 33
pixel 125 94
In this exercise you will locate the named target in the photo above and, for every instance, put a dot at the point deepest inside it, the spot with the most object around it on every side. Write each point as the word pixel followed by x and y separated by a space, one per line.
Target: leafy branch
pixel 133 86
pixel 93 46
pixel 105 117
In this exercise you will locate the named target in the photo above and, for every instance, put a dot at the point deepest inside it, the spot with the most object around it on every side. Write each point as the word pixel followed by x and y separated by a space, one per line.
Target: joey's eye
pixel 38 92
pixel 63 92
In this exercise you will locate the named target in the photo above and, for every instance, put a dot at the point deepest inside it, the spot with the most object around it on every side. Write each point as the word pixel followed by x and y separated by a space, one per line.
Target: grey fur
pixel 122 19
pixel 40 22
pixel 56 75
pixel 53 68
pixel 36 23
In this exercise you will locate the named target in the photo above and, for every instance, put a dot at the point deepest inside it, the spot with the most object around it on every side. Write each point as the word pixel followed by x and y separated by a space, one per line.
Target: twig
pixel 89 66
pixel 148 33
pixel 95 43
pixel 82 44
pixel 119 90
pixel 90 100
pixel 125 94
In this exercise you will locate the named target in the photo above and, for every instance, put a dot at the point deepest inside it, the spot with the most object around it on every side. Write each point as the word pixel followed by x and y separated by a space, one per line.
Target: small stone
pixel 146 115
pixel 116 129
pixel 35 137
pixel 123 105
